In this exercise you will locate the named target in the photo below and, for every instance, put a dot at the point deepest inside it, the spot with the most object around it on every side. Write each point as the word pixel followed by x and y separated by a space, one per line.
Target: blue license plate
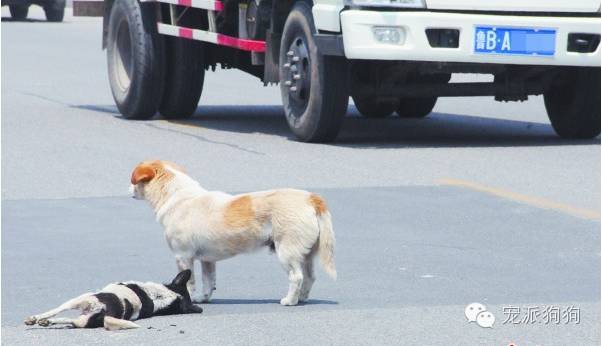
pixel 514 41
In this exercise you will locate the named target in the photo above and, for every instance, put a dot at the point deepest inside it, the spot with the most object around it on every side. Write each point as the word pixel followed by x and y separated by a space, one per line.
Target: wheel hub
pixel 297 73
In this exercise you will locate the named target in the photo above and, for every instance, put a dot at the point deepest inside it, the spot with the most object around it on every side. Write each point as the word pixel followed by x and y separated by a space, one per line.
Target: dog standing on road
pixel 211 226
pixel 117 305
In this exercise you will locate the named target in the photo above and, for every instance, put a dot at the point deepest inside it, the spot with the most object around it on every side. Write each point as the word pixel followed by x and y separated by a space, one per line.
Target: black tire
pixel 316 103
pixel 184 76
pixel 573 103
pixel 18 12
pixel 374 108
pixel 416 107
pixel 135 60
pixel 55 12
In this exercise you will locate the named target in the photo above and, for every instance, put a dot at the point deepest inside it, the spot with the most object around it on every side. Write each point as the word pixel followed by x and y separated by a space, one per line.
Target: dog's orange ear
pixel 142 174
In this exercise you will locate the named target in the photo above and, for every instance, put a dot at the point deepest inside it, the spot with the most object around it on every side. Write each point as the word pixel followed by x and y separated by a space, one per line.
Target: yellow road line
pixel 539 202
pixel 182 124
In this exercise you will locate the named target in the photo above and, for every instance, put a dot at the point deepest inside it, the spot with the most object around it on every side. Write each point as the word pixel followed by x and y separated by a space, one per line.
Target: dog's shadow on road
pixel 267 301
pixel 436 130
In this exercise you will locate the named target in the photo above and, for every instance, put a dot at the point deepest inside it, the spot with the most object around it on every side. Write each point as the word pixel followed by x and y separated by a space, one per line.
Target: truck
pixel 389 56
pixel 53 9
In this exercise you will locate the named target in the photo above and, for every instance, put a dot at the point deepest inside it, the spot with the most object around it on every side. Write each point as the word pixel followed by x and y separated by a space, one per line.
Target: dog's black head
pixel 178 285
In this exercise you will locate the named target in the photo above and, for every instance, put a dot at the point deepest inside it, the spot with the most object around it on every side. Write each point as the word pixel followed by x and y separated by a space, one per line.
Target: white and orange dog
pixel 210 226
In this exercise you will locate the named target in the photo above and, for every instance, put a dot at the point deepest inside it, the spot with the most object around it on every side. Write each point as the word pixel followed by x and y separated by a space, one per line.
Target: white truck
pixel 390 56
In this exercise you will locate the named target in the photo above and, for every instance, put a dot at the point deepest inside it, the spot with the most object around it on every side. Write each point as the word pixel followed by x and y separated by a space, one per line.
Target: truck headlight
pixel 388 3
pixel 389 34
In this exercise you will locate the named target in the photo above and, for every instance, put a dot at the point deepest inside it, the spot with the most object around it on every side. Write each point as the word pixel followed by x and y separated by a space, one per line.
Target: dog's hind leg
pixel 295 276
pixel 75 303
pixel 112 323
pixel 295 279
pixel 308 277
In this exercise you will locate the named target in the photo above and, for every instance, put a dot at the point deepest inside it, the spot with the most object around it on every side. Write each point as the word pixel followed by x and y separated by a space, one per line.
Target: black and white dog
pixel 118 304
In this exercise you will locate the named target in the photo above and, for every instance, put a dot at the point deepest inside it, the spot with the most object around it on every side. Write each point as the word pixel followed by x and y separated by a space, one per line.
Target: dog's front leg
pixel 79 322
pixel 68 305
pixel 187 263
pixel 208 280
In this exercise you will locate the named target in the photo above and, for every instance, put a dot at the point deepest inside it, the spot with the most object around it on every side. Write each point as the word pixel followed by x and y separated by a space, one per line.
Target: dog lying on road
pixel 117 305
pixel 211 226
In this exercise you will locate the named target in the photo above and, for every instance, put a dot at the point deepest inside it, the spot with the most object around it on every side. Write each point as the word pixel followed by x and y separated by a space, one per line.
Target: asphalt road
pixel 480 202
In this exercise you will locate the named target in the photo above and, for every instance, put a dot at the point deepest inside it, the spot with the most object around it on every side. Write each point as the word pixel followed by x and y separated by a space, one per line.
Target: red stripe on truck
pixel 212 37
pixel 216 6
pixel 243 44
pixel 185 33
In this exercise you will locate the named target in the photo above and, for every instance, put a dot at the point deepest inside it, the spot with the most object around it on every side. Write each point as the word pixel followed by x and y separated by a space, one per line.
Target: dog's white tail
pixel 326 243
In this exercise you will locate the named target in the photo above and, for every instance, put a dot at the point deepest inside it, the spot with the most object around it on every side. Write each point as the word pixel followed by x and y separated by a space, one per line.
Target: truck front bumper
pixel 360 41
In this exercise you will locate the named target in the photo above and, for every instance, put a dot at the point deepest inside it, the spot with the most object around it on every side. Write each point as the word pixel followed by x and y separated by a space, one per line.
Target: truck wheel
pixel 374 108
pixel 416 107
pixel 18 12
pixel 184 76
pixel 573 103
pixel 55 11
pixel 313 86
pixel 135 61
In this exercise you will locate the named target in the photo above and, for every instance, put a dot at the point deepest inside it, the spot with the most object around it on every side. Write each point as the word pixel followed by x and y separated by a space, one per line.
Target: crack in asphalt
pixel 48 99
pixel 198 137
pixel 204 139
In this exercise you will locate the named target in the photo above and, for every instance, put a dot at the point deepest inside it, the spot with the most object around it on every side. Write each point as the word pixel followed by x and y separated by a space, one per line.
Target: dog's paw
pixel 31 320
pixel 43 322
pixel 288 302
pixel 303 297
